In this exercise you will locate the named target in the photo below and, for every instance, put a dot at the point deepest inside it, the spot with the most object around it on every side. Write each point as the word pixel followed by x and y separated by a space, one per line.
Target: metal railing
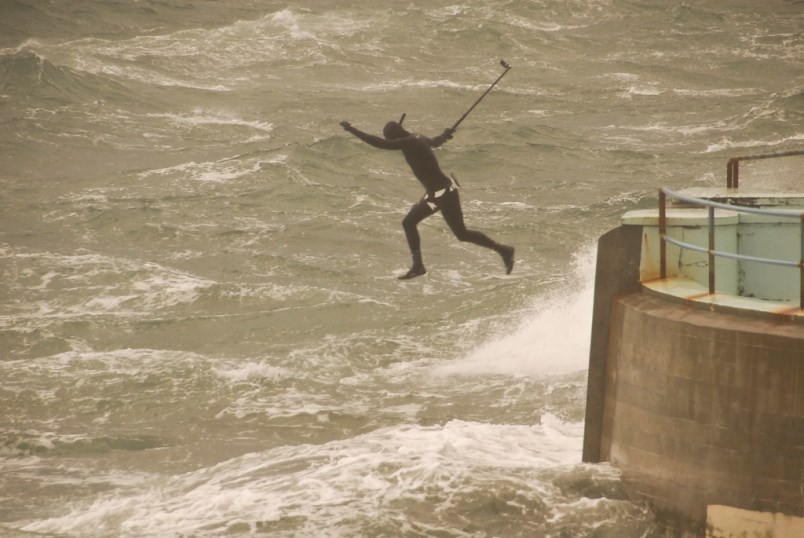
pixel 710 250
pixel 733 166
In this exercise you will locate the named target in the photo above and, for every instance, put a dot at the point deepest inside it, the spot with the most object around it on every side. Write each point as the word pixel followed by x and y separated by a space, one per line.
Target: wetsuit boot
pixel 507 254
pixel 417 269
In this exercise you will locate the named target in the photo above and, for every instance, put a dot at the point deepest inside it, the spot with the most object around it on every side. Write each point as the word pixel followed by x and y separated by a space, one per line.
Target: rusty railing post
pixel 735 174
pixel 730 173
pixel 662 231
pixel 733 165
pixel 711 250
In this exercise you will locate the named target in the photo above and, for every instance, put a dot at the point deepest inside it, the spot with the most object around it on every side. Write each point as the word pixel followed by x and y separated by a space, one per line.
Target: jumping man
pixel 441 192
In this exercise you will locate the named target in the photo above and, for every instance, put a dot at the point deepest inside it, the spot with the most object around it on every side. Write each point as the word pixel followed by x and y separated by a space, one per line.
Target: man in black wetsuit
pixel 441 192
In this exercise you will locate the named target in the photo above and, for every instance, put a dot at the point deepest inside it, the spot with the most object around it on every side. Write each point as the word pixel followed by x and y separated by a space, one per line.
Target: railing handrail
pixel 732 255
pixel 784 213
pixel 664 239
pixel 733 166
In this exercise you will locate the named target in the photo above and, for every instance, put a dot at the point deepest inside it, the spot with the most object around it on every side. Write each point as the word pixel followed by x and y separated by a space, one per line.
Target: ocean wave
pixel 402 84
pixel 28 74
pixel 15 444
pixel 105 400
pixel 384 482
pixel 58 286
pixel 204 117
pixel 217 59
pixel 718 92
pixel 686 130
pixel 454 466
pixel 220 171
pixel 521 350
pixel 308 25
pixel 770 145
pixel 640 91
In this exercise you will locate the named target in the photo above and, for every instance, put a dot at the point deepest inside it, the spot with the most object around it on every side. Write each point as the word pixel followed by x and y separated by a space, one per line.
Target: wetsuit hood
pixel 394 130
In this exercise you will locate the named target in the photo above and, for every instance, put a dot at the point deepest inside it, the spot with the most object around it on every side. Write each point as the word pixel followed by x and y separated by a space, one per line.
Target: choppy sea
pixel 201 329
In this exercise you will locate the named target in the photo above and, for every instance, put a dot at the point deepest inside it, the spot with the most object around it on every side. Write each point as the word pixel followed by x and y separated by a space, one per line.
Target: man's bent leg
pixel 420 211
pixel 450 205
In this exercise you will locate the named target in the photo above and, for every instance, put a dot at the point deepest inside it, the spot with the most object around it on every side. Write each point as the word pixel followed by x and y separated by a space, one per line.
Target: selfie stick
pixel 507 68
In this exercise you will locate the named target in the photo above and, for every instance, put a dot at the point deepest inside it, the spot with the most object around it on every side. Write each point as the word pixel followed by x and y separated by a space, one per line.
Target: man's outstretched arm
pixel 375 141
pixel 443 137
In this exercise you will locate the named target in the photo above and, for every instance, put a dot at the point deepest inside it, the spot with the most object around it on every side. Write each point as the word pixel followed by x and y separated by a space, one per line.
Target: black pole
pixel 507 68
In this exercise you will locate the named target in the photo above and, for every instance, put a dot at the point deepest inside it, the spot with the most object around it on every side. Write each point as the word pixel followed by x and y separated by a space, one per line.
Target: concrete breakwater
pixel 697 397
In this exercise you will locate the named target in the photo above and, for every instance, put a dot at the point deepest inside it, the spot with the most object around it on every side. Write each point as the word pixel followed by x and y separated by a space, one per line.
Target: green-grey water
pixel 201 329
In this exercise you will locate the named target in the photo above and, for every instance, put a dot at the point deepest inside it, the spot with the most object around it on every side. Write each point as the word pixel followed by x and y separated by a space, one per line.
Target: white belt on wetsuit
pixel 430 198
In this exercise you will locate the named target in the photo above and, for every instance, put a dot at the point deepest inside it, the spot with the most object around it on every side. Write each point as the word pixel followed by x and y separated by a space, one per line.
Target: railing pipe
pixel 711 249
pixel 732 255
pixel 662 234
pixel 733 166
pixel 785 213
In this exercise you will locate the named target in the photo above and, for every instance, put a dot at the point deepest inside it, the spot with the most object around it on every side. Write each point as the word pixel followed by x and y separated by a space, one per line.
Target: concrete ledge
pixel 700 217
pixel 730 522
pixel 680 217
pixel 724 195
pixel 688 291
pixel 752 218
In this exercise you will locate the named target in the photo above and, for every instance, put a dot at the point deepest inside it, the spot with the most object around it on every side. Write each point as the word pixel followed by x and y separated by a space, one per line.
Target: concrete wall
pixel 767 237
pixel 704 407
pixel 616 273
pixel 729 522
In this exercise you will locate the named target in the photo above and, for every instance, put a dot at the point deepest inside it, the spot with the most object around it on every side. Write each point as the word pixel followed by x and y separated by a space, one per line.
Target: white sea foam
pixel 251 371
pixel 120 362
pixel 288 20
pixel 204 117
pixel 89 284
pixel 324 484
pixel 667 128
pixel 727 143
pixel 96 59
pixel 220 171
pixel 323 28
pixel 718 92
pixel 641 91
pixel 83 384
pixel 441 83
